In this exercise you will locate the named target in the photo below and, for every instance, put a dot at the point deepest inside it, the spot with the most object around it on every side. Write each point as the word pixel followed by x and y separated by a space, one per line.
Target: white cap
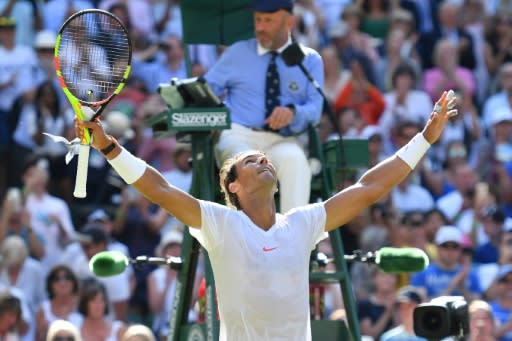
pixel 171 237
pixel 447 234
pixel 98 214
pixel 118 125
pixel 45 40
pixel 500 115
pixel 339 29
pixel 369 131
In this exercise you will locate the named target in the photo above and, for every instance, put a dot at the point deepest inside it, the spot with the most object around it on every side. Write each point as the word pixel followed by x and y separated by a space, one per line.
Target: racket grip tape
pixel 81 171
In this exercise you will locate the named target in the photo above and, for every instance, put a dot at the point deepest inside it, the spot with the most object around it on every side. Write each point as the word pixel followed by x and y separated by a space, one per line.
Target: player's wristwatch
pixel 105 151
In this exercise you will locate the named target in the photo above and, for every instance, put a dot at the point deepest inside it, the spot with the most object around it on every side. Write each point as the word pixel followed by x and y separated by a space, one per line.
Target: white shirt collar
pixel 262 50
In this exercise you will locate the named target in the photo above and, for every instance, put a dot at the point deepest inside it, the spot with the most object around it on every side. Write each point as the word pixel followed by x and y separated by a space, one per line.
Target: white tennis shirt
pixel 261 277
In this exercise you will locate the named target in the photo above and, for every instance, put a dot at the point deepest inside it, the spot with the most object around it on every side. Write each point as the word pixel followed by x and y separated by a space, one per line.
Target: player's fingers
pixel 438 107
pixel 452 113
pixel 452 102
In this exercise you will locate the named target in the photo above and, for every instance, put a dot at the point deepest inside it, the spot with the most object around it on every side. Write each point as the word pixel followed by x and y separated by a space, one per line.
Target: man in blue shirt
pixel 241 75
pixel 502 306
pixel 448 276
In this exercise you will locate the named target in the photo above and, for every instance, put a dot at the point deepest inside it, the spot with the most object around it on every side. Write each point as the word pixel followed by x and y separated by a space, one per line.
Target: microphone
pixel 394 260
pixel 293 55
pixel 397 260
pixel 111 263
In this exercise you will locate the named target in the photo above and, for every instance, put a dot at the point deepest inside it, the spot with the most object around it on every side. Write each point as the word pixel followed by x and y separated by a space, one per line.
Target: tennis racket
pixel 92 61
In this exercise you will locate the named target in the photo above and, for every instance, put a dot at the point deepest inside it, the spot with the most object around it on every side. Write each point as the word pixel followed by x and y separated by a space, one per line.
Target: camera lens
pixel 432 321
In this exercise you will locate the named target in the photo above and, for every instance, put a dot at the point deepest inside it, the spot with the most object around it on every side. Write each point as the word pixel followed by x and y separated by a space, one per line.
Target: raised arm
pixel 146 179
pixel 379 180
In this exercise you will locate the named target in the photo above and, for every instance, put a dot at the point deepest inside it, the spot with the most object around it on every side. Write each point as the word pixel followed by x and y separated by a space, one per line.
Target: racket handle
pixel 81 171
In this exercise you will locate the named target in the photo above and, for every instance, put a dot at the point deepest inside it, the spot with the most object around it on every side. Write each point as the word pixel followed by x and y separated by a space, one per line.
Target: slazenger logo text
pixel 199 119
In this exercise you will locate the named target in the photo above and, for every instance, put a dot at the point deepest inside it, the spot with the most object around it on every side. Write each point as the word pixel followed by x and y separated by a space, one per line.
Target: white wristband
pixel 129 167
pixel 414 150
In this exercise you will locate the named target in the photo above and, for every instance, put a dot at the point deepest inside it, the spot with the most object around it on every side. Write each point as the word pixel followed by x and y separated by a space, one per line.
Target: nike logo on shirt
pixel 267 249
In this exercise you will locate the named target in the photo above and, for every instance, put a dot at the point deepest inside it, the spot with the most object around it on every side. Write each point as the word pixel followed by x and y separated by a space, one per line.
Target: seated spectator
pixel 487 273
pixel 10 316
pixel 15 220
pixel 47 114
pixel 50 216
pixel 392 59
pixel 409 196
pixel 434 220
pixel 62 302
pixel 448 276
pixel 408 299
pixel 502 305
pixel 459 205
pixel 93 239
pixel 359 94
pixel 20 271
pixel 495 157
pixel 335 76
pixel 497 51
pixel 493 225
pixel 375 18
pixel 169 64
pixel 94 306
pixel 447 27
pixel 481 322
pixel 447 73
pixel 375 138
pixel 161 287
pixel 376 314
pixel 359 41
pixel 180 176
pixel 403 102
pixel 464 128
pixel 498 101
pixel 62 330
pixel 437 172
pixel 56 12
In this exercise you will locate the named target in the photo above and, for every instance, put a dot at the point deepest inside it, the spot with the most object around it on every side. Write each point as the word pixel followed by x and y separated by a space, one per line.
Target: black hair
pixel 53 274
pixel 403 68
pixel 91 287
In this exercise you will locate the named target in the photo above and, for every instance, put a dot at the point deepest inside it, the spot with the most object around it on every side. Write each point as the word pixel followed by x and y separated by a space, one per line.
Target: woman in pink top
pixel 447 73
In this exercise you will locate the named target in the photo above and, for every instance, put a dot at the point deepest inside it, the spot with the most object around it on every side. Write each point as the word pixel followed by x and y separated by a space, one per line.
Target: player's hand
pixel 99 139
pixel 280 117
pixel 443 110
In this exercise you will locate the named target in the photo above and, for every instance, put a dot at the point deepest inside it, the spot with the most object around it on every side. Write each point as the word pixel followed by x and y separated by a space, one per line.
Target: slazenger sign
pixel 194 120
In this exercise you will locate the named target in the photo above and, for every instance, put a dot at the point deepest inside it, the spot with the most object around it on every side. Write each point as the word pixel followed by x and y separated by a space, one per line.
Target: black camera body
pixel 442 317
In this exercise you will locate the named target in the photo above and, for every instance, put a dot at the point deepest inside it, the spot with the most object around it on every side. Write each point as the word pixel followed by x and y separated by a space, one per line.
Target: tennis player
pixel 260 258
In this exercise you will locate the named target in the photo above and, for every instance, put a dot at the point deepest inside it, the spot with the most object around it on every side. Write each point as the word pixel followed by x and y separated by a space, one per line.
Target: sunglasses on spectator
pixel 506 280
pixel 64 338
pixel 415 223
pixel 449 245
pixel 64 277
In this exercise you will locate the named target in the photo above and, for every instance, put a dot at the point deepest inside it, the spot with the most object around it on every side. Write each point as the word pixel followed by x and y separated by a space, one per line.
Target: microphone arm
pixel 293 56
pixel 357 256
pixel 174 262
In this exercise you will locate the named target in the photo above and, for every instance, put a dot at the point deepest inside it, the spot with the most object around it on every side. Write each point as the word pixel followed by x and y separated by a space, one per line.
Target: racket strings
pixel 94 53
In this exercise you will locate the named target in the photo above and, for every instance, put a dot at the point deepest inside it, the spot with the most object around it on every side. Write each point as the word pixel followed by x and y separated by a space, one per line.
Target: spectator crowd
pixel 385 63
